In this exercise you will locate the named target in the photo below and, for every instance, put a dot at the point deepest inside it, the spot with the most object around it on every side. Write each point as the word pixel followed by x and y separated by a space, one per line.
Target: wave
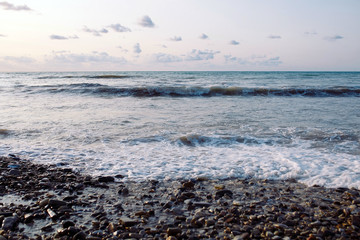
pixel 194 140
pixel 184 91
pixel 108 76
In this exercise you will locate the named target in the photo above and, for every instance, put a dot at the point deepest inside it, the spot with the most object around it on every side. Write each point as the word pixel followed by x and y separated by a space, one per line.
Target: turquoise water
pixel 161 125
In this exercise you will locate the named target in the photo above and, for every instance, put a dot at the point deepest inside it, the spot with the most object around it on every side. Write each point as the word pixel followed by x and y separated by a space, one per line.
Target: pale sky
pixel 119 35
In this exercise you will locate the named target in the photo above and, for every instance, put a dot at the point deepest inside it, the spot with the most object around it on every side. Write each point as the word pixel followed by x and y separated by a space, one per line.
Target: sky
pixel 183 35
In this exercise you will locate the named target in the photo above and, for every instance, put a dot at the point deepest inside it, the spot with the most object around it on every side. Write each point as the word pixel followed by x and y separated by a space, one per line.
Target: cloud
pixel 119 28
pixel 2 35
pixel 198 55
pixel 146 21
pixel 137 48
pixel 58 37
pixel 19 59
pixel 176 39
pixel 123 49
pixel 233 42
pixel 204 36
pixel 333 38
pixel 94 31
pixel 94 57
pixel 166 58
pixel 9 6
pixel 254 61
pixel 274 37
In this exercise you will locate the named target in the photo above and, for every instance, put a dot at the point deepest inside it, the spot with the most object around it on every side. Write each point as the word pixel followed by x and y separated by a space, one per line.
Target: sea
pixel 176 125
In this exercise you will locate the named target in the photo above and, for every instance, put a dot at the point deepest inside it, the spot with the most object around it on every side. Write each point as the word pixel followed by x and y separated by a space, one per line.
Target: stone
pixel 201 204
pixel 188 185
pixel 14 172
pixel 171 238
pixel 56 203
pixel 9 223
pixel 66 224
pixel 173 231
pixel 242 236
pixel 222 193
pixel 106 179
pixel 80 236
pixel 355 220
pixel 127 222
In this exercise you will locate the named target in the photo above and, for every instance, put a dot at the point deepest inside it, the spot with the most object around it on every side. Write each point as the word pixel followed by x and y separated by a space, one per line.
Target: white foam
pixel 164 160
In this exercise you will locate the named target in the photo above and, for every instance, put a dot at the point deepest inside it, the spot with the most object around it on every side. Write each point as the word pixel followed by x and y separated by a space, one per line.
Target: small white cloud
pixel 123 49
pixel 166 58
pixel 176 39
pixel 146 21
pixel 94 57
pixel 119 28
pixel 57 37
pixel 2 35
pixel 274 37
pixel 233 42
pixel 254 61
pixel 204 36
pixel 12 7
pixel 137 48
pixel 198 55
pixel 73 37
pixel 94 31
pixel 333 38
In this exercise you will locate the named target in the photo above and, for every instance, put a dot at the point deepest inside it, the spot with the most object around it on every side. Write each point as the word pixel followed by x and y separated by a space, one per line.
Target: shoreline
pixel 48 202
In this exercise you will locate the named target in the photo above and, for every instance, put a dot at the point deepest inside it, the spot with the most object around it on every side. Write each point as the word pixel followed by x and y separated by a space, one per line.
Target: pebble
pixel 65 205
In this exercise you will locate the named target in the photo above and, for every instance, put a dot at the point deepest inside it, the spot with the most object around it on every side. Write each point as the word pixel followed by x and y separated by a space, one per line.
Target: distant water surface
pixel 165 125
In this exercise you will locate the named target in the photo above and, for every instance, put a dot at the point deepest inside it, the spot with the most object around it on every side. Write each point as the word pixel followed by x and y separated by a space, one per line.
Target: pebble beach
pixel 52 202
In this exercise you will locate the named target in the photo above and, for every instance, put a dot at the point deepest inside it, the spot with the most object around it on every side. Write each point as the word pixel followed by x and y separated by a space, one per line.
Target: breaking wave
pixel 107 76
pixel 184 91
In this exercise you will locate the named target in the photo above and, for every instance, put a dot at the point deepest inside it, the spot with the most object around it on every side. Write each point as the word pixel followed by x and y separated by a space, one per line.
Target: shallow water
pixel 274 125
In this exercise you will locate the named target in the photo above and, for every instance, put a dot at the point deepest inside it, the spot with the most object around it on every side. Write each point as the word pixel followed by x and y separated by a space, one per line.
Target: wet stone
pixel 106 179
pixel 127 222
pixel 173 231
pixel 9 223
pixel 222 193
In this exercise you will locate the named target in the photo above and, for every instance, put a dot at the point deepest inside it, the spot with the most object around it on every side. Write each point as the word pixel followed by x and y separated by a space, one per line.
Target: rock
pixel 222 193
pixel 51 213
pixel 219 187
pixel 171 238
pixel 44 202
pixel 9 223
pixel 173 231
pixel 106 179
pixel 186 195
pixel 47 228
pixel 123 191
pixel 66 224
pixel 14 172
pixel 56 203
pixel 201 204
pixel 188 185
pixel 127 222
pixel 242 236
pixel 355 220
pixel 80 236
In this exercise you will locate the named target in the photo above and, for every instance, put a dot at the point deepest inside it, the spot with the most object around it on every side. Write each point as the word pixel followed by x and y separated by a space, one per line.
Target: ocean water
pixel 170 125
